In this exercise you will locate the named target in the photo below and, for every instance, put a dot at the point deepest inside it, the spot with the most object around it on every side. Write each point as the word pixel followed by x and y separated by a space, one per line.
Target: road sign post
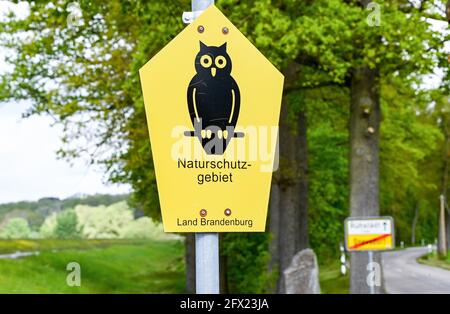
pixel 207 265
pixel 213 103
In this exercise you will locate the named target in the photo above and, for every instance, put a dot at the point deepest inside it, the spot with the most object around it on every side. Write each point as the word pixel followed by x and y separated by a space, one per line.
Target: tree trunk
pixel 292 192
pixel 274 223
pixel 364 164
pixel 289 196
pixel 447 221
pixel 223 268
pixel 442 239
pixel 189 244
pixel 288 228
pixel 444 189
pixel 414 224
pixel 302 160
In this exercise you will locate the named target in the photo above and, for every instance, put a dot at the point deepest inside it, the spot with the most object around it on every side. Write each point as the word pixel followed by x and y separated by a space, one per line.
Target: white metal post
pixel 343 260
pixel 206 244
pixel 201 5
pixel 207 263
pixel 198 6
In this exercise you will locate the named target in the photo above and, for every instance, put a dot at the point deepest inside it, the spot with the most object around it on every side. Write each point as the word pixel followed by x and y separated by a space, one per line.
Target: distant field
pixel 107 266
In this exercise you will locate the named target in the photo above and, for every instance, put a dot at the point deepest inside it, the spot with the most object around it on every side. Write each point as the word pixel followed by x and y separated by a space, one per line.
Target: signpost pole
pixel 206 244
pixel 201 5
pixel 207 263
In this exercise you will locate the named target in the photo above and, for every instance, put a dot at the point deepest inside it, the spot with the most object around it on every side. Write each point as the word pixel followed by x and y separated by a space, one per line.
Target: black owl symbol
pixel 213 99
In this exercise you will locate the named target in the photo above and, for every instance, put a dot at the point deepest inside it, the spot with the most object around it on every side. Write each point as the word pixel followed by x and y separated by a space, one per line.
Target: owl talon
pixel 219 134
pixel 208 134
pixel 225 134
pixel 203 133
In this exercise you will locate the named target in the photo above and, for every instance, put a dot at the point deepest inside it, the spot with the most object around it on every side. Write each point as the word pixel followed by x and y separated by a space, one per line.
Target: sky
pixel 29 169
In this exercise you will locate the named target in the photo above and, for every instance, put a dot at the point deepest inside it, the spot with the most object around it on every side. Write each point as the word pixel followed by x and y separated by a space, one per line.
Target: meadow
pixel 107 266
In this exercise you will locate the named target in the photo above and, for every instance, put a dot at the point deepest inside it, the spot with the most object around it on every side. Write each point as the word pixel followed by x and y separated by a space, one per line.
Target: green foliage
pixel 409 140
pixel 246 262
pixel 47 229
pixel 36 212
pixel 67 225
pixel 94 200
pixel 328 168
pixel 144 228
pixel 17 228
pixel 103 222
pixel 117 221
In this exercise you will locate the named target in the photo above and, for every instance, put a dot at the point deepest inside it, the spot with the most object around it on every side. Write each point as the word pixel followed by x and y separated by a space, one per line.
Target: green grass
pixel 331 280
pixel 112 266
pixel 107 266
pixel 433 260
pixel 11 246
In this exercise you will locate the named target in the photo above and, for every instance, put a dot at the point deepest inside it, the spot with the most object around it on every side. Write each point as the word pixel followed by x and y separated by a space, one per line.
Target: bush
pixel 17 228
pixel 47 229
pixel 247 258
pixel 67 225
pixel 103 222
pixel 144 228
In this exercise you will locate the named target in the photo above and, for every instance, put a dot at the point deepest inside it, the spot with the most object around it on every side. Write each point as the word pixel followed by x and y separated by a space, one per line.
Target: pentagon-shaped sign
pixel 213 103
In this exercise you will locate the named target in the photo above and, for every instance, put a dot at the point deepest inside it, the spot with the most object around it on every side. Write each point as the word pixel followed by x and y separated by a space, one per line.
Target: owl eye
pixel 206 61
pixel 221 62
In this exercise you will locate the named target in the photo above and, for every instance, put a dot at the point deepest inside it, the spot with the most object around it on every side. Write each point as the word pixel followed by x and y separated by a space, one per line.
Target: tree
pixel 66 225
pixel 48 227
pixel 410 141
pixel 443 105
pixel 17 228
pixel 103 222
pixel 358 56
pixel 143 228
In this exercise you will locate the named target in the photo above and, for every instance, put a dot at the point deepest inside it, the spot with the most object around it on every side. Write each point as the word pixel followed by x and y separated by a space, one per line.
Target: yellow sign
pixel 369 234
pixel 212 102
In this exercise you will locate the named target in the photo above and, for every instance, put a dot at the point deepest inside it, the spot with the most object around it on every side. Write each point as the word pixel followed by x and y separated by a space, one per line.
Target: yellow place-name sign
pixel 212 102
pixel 369 234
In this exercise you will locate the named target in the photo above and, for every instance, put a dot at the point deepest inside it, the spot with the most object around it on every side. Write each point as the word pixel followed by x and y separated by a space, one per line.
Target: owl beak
pixel 213 72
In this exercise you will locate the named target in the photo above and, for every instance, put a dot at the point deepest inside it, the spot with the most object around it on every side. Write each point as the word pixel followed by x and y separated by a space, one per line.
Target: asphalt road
pixel 403 274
